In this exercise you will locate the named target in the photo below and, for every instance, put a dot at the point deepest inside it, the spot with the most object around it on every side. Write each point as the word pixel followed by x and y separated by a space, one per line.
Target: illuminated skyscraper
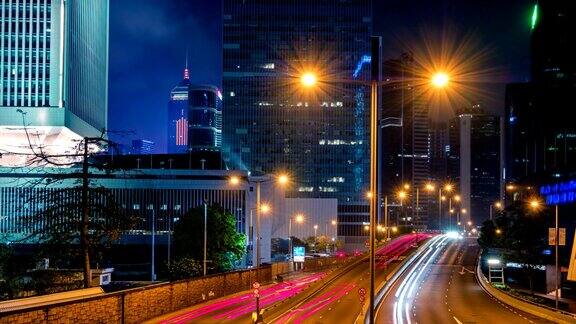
pixel 54 74
pixel 178 116
pixel 270 123
pixel 195 117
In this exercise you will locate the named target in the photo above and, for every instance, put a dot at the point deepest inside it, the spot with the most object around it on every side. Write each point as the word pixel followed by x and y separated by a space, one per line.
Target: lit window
pixel 232 94
pixel 136 206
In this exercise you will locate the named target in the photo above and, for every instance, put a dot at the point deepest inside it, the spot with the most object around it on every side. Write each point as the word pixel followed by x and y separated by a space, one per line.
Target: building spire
pixel 186 71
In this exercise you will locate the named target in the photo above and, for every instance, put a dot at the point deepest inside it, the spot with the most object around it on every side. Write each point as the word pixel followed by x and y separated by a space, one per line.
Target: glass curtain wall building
pixel 270 122
pixel 54 73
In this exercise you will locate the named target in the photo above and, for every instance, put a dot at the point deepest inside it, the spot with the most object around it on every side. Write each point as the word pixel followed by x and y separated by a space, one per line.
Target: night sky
pixel 148 44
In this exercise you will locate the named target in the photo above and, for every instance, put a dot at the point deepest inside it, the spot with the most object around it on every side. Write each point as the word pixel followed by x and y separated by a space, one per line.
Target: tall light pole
pixel 153 252
pixel 556 254
pixel 439 80
pixel 535 204
pixel 299 218
pixel 205 235
pixel 281 179
pixel 315 235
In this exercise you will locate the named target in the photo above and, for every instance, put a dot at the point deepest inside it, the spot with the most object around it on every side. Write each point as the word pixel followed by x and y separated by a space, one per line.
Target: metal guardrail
pixel 527 306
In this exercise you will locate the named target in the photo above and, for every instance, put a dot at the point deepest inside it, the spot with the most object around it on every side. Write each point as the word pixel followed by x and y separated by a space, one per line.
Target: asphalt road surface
pixel 335 301
pixel 441 287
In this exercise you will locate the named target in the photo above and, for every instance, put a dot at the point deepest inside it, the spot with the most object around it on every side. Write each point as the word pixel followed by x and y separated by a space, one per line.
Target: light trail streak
pixel 244 304
pixel 405 292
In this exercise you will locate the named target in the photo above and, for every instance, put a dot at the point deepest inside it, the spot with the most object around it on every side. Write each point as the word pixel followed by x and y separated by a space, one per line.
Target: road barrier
pixel 545 312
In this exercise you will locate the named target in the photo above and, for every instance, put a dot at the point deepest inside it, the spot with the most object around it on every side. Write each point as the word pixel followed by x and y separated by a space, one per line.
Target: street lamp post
pixel 281 179
pixel 299 218
pixel 439 80
pixel 205 235
pixel 153 256
pixel 556 254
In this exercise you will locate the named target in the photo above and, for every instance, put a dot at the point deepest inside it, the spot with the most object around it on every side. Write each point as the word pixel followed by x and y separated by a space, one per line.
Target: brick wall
pixel 140 304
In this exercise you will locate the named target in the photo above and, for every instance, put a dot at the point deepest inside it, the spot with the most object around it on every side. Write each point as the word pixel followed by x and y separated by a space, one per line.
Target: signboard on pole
pixel 561 236
pixel 299 252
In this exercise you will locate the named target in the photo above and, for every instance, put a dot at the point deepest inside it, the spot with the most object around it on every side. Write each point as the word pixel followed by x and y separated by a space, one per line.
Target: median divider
pixel 545 312
pixel 382 290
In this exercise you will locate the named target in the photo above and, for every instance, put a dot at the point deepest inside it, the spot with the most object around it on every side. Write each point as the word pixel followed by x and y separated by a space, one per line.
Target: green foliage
pixel 521 236
pixel 321 244
pixel 225 246
pixel 184 268
pixel 12 267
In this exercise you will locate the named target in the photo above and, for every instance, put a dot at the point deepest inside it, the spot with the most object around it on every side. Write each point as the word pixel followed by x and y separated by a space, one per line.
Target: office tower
pixel 405 145
pixel 178 116
pixel 54 79
pixel 541 137
pixel 270 122
pixel 204 118
pixel 142 146
pixel 194 117
pixel 552 41
pixel 474 161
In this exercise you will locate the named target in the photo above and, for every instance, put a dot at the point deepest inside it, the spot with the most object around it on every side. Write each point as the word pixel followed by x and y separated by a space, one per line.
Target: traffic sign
pixel 362 292
pixel 256 285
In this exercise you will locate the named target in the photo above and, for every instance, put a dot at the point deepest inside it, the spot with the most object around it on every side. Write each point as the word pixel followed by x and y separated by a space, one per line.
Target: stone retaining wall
pixel 140 304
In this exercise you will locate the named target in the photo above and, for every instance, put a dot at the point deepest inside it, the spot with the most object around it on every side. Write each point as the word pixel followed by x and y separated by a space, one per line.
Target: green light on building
pixel 534 16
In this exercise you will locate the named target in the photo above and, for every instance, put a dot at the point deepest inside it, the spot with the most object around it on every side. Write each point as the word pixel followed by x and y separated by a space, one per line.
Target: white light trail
pixel 405 293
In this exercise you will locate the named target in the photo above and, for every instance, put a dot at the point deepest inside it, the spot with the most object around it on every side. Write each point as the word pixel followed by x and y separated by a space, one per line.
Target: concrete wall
pixel 140 304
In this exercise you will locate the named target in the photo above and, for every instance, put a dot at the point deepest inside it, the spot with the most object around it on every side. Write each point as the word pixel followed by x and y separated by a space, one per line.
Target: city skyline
pixel 169 44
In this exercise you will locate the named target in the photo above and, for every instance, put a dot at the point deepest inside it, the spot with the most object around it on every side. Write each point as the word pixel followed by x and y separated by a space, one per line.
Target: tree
pixel 57 222
pixel 520 235
pixel 225 246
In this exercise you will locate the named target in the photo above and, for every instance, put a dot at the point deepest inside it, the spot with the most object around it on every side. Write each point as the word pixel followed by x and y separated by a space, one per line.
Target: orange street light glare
pixel 457 198
pixel 265 208
pixel 498 231
pixel 308 79
pixel 401 194
pixel 299 218
pixel 498 204
pixel 315 226
pixel 283 179
pixel 440 80
pixel 430 187
pixel 394 229
pixel 534 204
pixel 366 227
pixel 406 186
pixel 334 223
pixel 368 195
pixel 448 187
pixel 234 180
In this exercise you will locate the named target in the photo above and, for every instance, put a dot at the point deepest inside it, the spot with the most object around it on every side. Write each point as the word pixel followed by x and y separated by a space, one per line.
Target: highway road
pixel 336 301
pixel 441 287
pixel 341 301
